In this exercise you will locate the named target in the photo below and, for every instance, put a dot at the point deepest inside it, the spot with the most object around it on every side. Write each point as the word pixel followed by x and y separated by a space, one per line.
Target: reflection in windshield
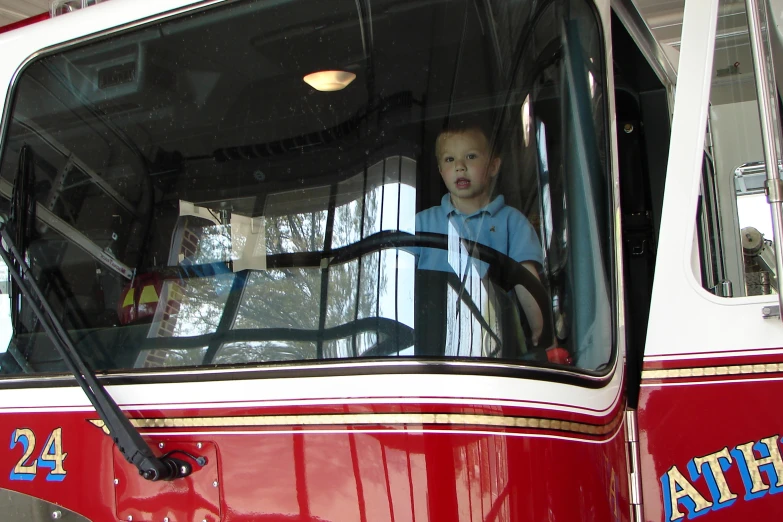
pixel 211 208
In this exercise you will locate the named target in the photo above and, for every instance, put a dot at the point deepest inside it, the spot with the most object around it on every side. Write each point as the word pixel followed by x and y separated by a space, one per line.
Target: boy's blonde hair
pixel 460 124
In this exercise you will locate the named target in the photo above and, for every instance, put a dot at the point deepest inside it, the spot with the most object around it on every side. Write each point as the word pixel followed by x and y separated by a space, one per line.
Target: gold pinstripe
pixel 384 419
pixel 713 371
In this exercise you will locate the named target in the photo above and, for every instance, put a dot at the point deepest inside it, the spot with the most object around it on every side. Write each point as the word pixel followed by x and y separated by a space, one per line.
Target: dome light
pixel 327 81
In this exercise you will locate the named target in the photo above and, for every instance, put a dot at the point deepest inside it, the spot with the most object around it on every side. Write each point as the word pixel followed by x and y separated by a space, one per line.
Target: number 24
pixel 51 457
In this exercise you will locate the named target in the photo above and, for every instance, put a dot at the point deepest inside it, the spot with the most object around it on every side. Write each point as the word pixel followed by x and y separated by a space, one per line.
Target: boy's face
pixel 467 168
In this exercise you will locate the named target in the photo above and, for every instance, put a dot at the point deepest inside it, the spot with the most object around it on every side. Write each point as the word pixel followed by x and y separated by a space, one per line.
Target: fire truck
pixel 242 287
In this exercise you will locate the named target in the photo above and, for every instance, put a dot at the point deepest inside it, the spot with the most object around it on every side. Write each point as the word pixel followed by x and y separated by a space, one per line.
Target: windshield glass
pixel 263 182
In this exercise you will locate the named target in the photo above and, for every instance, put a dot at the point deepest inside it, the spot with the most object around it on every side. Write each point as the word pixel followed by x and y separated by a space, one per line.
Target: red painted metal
pixel 338 472
pixel 683 419
pixel 196 497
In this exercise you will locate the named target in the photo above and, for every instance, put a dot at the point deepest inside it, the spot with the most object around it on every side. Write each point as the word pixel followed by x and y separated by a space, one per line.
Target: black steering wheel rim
pixel 503 270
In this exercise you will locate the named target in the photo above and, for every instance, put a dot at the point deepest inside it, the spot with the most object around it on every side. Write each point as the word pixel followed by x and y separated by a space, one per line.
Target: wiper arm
pixel 22 214
pixel 125 436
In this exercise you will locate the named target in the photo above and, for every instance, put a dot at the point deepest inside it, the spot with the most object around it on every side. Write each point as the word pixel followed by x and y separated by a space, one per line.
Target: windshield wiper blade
pixel 125 436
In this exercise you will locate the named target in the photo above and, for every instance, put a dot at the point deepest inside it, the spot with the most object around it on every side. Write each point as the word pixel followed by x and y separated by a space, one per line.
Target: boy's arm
pixel 524 244
pixel 535 317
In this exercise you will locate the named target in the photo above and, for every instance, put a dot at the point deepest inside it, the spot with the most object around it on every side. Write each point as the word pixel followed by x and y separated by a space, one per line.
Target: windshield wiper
pixel 125 436
pixel 22 213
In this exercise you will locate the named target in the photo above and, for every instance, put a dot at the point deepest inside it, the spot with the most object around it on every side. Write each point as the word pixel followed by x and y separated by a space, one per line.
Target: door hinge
pixel 634 473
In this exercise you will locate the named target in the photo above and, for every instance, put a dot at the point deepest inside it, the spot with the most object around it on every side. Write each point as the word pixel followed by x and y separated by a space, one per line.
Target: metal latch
pixel 774 190
pixel 768 312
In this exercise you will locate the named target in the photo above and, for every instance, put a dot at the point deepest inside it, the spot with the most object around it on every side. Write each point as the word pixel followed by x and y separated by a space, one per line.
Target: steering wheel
pixel 503 271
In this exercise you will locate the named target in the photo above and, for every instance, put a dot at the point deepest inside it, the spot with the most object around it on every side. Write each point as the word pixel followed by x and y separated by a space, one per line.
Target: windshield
pixel 437 189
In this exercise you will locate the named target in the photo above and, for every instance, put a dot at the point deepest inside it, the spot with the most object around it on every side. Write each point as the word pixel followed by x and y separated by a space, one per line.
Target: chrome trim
pixel 617 292
pixel 641 33
pixel 766 92
pixel 458 367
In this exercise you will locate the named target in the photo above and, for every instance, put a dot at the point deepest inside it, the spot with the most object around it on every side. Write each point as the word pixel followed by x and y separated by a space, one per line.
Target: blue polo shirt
pixel 497 226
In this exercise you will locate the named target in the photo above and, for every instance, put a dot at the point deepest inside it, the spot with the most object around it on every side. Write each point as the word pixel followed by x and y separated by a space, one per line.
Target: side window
pixel 734 221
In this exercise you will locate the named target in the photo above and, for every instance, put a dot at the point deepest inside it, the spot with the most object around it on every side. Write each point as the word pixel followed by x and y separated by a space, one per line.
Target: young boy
pixel 469 167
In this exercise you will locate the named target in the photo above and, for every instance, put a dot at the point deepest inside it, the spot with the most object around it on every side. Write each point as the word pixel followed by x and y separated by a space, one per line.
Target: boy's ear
pixel 494 167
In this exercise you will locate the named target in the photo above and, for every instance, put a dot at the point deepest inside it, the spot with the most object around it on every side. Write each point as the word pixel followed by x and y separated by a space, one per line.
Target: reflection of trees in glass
pixel 190 357
pixel 291 297
pixel 201 299
pixel 265 351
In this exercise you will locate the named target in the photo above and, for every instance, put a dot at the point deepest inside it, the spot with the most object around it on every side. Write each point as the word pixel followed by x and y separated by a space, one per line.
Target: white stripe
pixel 355 389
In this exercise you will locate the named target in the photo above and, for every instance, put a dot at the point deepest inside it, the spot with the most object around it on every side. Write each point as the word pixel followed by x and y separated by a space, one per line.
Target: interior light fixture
pixel 327 81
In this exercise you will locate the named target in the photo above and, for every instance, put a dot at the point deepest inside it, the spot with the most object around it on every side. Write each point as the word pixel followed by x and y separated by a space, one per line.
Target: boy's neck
pixel 469 206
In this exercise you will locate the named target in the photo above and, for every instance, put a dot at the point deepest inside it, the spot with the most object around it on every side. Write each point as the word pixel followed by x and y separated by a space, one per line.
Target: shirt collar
pixel 491 208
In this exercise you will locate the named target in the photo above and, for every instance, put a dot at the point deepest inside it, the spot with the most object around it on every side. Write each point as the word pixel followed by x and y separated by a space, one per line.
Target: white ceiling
pixel 665 18
pixel 663 15
pixel 14 10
